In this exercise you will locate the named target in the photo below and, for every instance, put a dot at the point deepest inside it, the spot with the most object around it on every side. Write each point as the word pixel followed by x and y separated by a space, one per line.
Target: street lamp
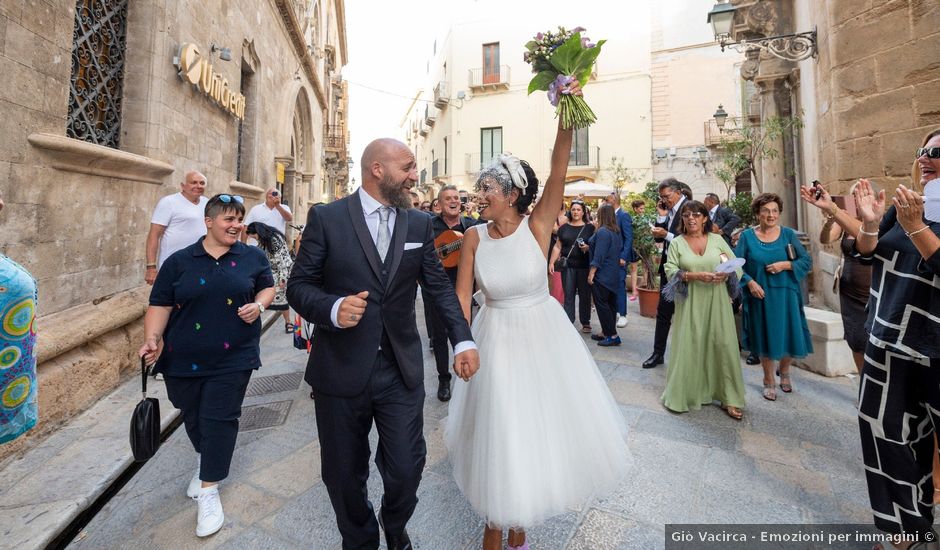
pixel 789 47
pixel 720 118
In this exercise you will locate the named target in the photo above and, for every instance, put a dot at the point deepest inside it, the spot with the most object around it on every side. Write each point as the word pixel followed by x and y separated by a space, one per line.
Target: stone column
pixel 775 177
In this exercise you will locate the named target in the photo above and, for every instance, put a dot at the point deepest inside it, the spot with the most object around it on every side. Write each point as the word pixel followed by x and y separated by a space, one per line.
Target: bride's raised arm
pixel 546 210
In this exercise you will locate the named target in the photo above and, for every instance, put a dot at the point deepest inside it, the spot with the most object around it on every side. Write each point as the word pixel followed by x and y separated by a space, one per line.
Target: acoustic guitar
pixel 447 245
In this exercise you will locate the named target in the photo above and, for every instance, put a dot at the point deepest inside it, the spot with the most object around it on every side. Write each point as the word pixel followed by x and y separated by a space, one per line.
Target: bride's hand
pixel 466 364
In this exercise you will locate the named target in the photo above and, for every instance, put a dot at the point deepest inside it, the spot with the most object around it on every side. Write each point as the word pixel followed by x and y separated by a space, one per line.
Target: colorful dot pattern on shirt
pixel 196 281
pixel 18 395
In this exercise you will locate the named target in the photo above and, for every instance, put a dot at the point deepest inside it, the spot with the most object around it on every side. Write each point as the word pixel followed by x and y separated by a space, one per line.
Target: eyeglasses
pixel 931 152
pixel 231 198
pixel 687 215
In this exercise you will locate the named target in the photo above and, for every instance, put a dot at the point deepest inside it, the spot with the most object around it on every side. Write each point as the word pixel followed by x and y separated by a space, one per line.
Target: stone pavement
pixel 793 461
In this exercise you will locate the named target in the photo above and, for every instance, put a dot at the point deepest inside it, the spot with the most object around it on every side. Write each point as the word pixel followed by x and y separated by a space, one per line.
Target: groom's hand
pixel 467 363
pixel 351 309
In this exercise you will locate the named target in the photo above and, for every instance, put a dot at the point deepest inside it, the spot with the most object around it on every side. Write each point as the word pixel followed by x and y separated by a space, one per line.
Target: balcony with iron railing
pixel 334 138
pixel 481 79
pixel 438 169
pixel 474 162
pixel 730 132
pixel 585 158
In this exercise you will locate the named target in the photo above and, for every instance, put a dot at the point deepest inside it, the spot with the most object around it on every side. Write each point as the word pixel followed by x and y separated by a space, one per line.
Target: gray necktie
pixel 381 242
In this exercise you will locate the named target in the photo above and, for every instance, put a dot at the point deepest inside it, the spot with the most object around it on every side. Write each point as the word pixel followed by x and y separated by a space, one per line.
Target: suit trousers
pixel 574 281
pixel 622 293
pixel 437 333
pixel 663 319
pixel 343 425
pixel 211 407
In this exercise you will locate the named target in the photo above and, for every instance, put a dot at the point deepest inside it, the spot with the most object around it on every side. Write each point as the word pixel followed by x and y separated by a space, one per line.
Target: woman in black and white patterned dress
pixel 899 397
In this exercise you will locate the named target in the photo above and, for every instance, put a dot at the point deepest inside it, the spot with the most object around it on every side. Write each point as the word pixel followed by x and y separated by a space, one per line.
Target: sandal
pixel 785 386
pixel 586 329
pixel 770 392
pixel 289 328
pixel 734 412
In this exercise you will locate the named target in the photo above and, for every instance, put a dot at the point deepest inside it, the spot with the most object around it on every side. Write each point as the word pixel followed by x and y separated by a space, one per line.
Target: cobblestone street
pixel 792 461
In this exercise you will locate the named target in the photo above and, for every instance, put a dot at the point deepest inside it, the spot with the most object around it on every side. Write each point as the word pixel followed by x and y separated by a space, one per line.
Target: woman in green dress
pixel 704 364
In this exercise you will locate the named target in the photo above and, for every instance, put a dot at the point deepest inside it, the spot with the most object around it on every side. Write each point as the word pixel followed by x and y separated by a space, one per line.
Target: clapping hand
pixel 910 207
pixel 466 364
pixel 870 207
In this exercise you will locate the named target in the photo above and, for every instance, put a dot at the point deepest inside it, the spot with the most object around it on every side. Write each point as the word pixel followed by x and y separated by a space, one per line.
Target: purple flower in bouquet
pixel 554 89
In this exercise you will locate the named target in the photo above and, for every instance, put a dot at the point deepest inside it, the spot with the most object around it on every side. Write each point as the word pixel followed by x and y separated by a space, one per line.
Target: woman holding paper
pixel 898 401
pixel 774 323
pixel 704 365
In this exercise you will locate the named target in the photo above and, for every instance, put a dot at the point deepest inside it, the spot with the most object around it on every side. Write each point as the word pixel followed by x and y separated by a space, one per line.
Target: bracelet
pixel 153 266
pixel 912 233
pixel 869 233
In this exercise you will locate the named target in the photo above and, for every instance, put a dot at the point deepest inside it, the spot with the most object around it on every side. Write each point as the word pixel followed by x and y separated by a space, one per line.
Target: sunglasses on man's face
pixel 231 198
pixel 931 152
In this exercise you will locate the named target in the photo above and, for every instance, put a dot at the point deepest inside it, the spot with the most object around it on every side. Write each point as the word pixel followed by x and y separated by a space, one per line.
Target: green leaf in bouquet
pixel 541 81
pixel 531 45
pixel 565 57
pixel 585 62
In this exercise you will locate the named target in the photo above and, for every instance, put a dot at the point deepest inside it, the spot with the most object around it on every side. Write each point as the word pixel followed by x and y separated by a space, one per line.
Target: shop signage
pixel 198 71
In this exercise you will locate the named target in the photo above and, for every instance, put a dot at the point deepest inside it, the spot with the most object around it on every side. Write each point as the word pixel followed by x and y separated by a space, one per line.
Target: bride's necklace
pixel 500 234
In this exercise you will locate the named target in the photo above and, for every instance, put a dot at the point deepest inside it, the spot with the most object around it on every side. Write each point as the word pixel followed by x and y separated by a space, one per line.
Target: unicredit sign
pixel 198 71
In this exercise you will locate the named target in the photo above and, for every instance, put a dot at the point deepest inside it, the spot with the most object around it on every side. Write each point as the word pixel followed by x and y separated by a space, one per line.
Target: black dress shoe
pixel 653 361
pixel 752 359
pixel 597 337
pixel 398 542
pixel 443 391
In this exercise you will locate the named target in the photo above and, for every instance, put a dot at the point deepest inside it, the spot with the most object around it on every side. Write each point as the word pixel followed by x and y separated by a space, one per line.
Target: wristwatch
pixel 260 307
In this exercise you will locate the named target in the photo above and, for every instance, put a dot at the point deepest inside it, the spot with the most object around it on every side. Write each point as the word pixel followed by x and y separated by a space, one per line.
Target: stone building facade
pixel 866 100
pixel 102 118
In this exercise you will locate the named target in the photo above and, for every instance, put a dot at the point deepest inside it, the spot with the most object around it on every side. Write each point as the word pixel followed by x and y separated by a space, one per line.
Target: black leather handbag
pixel 145 422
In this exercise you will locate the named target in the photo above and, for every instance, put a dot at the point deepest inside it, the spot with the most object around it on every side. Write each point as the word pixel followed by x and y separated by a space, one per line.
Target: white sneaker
pixel 210 517
pixel 621 321
pixel 195 483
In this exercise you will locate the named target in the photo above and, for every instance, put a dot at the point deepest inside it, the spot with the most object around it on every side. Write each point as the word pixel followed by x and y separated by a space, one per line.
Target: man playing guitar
pixel 449 221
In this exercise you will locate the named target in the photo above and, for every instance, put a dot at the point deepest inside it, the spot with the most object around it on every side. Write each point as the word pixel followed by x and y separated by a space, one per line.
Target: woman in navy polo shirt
pixel 204 313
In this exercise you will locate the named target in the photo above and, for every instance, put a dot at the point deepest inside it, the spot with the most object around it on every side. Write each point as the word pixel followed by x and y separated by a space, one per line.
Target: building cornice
pixel 340 6
pixel 286 10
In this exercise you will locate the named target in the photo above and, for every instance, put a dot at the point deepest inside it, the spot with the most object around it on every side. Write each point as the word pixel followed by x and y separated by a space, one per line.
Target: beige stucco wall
pixel 80 229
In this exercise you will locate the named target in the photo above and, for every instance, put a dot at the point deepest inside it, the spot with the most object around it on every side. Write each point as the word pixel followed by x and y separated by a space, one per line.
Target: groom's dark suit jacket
pixel 338 258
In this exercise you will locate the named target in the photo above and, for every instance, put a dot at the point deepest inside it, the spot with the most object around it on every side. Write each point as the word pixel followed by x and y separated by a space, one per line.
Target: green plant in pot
pixel 645 246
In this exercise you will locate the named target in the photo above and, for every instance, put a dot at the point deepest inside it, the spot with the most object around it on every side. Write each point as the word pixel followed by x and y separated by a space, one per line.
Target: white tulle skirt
pixel 536 430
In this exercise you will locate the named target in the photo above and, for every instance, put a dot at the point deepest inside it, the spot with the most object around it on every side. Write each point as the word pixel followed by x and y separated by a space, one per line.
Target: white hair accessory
pixel 514 167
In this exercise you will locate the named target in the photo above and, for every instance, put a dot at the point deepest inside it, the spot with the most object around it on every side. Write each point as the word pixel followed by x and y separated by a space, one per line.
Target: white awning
pixel 586 188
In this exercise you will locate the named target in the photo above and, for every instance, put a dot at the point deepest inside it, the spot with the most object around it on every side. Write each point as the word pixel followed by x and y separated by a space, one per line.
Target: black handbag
pixel 145 422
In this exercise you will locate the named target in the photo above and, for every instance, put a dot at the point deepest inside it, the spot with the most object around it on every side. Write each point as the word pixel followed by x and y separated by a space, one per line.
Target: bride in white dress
pixel 535 431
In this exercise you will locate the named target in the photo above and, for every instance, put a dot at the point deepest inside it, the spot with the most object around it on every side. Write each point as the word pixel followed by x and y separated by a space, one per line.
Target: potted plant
pixel 648 250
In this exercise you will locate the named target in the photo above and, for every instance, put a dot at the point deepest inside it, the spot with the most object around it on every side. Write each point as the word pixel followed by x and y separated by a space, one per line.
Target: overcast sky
pixel 389 44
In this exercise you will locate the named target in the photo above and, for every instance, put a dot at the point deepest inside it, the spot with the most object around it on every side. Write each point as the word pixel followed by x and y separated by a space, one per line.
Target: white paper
pixel 730 266
pixel 932 202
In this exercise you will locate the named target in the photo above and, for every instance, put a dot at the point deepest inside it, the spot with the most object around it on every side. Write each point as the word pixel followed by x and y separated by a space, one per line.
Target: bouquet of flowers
pixel 558 58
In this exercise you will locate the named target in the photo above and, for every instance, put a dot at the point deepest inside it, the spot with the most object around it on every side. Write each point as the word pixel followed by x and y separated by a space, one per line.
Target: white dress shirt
pixel 669 217
pixel 370 210
pixel 712 212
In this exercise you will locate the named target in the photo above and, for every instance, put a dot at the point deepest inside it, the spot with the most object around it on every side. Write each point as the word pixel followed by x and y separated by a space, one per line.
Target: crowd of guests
pixel 215 268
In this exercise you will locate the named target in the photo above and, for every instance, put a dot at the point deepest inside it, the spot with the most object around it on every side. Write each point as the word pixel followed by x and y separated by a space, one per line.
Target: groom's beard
pixel 397 195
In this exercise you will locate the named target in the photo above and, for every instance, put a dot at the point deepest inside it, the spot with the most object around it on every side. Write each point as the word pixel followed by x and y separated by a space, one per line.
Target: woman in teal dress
pixel 18 397
pixel 774 323
pixel 704 364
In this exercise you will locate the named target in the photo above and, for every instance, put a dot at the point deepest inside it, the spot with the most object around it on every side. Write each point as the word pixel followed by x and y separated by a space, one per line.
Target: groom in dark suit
pixel 354 278
pixel 667 227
